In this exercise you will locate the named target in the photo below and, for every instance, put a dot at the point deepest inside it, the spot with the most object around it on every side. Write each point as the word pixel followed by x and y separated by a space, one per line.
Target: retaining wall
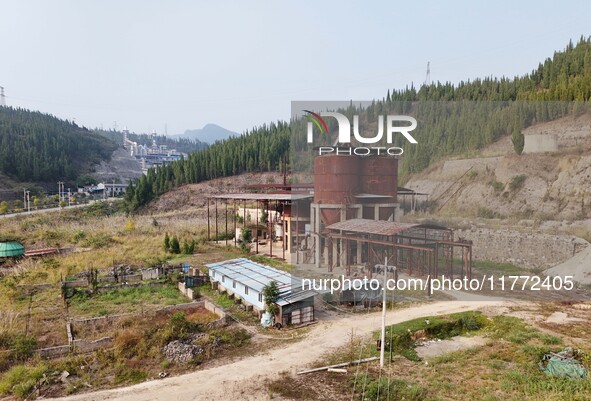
pixel 529 250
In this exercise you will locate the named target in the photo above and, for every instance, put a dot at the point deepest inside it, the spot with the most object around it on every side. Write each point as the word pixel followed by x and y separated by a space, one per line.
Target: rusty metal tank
pixel 336 180
pixel 379 176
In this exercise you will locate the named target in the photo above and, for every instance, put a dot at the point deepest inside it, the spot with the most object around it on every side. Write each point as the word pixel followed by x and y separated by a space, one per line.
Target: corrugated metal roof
pixel 252 274
pixel 11 248
pixel 366 226
pixel 295 297
pixel 256 276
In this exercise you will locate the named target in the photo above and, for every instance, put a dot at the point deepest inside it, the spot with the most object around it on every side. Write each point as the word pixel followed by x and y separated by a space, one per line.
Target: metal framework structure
pixel 417 249
pixel 236 204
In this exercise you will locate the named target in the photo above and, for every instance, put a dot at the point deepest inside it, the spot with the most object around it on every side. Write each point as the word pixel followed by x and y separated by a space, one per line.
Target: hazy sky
pixel 144 64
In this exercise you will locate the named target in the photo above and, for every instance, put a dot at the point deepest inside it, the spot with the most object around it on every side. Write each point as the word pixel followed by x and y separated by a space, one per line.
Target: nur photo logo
pixel 392 127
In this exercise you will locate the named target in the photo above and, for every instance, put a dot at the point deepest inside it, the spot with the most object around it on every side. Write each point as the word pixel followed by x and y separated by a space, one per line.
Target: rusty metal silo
pixel 379 176
pixel 336 180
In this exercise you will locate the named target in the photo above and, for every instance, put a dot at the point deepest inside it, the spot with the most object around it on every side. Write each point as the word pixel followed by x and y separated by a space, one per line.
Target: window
pixel 260 297
pixel 246 290
pixel 223 278
pixel 233 284
pixel 214 273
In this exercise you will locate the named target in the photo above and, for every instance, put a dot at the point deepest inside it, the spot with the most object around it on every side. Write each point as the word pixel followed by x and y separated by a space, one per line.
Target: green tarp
pixel 563 364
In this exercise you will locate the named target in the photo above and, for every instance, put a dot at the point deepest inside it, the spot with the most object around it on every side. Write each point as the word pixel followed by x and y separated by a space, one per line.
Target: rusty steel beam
pixel 379 242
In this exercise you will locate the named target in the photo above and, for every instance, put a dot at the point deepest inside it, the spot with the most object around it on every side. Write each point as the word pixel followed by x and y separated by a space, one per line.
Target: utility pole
pixel 69 198
pixel 60 190
pixel 383 336
pixel 28 204
pixel 24 198
pixel 2 97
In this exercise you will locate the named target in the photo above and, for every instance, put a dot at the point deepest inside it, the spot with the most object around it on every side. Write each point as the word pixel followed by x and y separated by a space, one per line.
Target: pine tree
pixel 518 138
pixel 166 242
pixel 186 247
pixel 175 247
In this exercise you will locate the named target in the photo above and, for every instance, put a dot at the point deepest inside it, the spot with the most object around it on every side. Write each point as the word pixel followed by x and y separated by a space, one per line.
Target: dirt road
pixel 243 379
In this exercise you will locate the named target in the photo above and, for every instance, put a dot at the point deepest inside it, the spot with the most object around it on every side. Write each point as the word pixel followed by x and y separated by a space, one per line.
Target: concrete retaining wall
pixel 187 306
pixel 53 352
pixel 95 321
pixel 528 250
pixel 539 143
pixel 100 290
pixel 84 346
pixel 76 283
pixel 188 292
pixel 152 274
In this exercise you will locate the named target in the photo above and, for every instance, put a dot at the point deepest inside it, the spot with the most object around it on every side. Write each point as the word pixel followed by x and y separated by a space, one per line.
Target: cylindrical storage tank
pixel 336 179
pixel 11 249
pixel 380 176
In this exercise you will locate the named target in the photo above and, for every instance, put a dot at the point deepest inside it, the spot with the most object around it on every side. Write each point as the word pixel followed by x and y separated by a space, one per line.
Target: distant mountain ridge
pixel 210 133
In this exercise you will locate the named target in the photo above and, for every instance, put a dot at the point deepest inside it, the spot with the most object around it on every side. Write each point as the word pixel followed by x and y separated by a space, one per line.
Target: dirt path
pixel 243 379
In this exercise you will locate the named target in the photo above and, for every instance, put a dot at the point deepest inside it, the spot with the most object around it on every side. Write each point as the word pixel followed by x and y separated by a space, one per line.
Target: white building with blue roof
pixel 245 279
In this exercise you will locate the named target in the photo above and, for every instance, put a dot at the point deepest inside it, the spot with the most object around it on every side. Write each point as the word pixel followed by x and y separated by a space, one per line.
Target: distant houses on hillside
pixel 104 189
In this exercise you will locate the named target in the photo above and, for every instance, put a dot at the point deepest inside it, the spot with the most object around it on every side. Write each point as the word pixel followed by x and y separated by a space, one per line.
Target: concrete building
pixel 245 280
pixel 104 188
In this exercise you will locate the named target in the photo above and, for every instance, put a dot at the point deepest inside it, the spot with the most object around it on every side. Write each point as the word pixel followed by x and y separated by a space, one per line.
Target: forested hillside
pixel 37 147
pixel 184 145
pixel 454 119
pixel 261 149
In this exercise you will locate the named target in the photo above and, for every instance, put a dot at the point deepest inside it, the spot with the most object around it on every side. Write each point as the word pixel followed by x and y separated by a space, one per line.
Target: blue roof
pixel 253 274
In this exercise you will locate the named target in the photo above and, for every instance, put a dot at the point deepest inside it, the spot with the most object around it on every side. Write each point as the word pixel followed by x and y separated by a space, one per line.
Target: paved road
pixel 53 209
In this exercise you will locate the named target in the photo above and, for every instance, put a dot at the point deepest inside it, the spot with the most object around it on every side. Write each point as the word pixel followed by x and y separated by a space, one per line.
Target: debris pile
pixel 180 352
pixel 566 363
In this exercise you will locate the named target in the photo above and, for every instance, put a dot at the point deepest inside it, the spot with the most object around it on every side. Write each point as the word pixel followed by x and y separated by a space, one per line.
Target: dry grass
pixel 504 369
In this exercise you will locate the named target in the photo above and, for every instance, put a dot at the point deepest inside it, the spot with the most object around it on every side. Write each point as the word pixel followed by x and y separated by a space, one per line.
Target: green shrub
pixel 126 375
pixel 486 213
pixel 177 328
pixel 21 380
pixel 497 186
pixel 78 236
pixel 23 347
pixel 234 337
pixel 399 336
pixel 98 241
pixel 385 389
pixel 129 344
pixel 175 246
pixel 517 182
